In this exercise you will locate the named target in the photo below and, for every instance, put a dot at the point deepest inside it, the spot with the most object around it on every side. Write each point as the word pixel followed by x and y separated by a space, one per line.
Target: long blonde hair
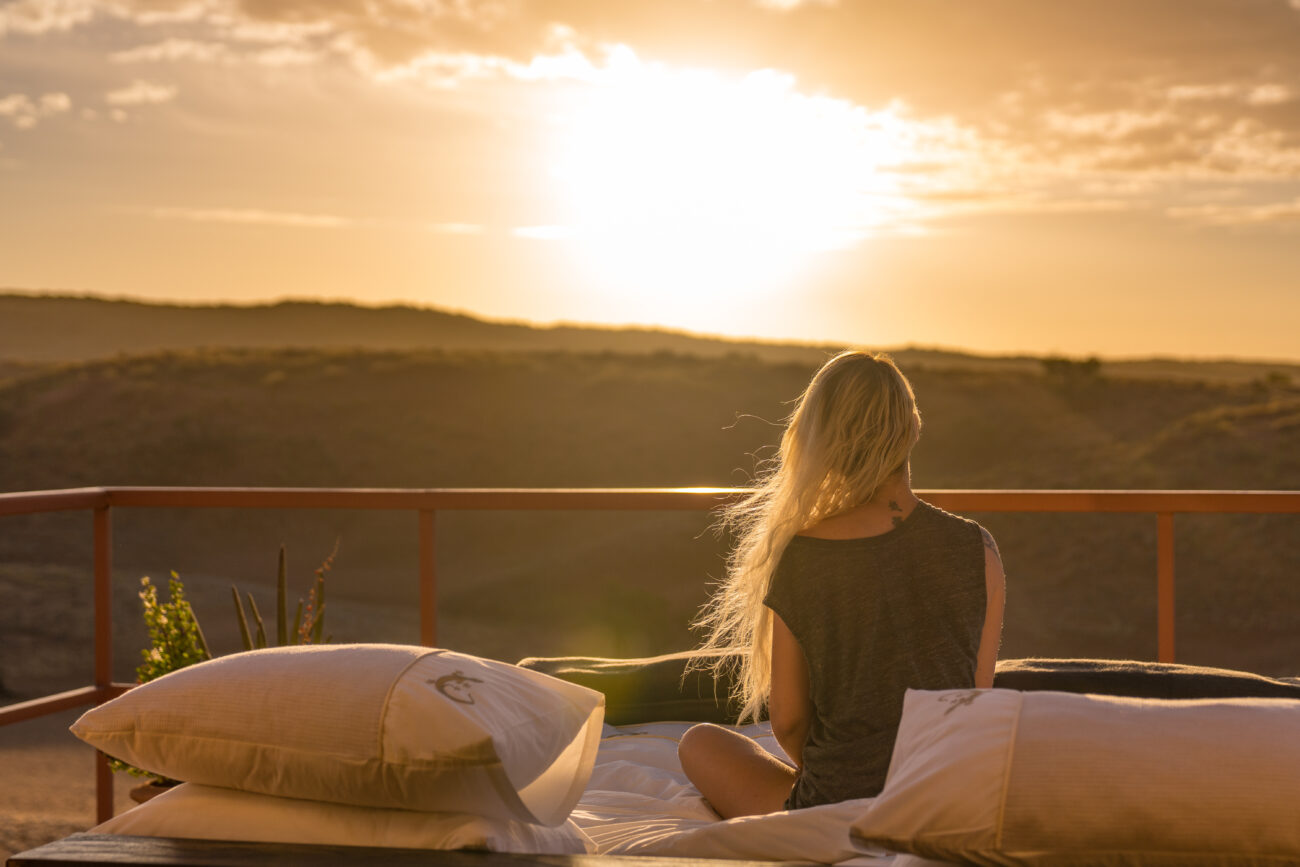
pixel 853 427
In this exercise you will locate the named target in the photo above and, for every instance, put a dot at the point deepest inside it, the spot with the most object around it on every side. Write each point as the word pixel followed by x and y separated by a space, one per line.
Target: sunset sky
pixel 1119 177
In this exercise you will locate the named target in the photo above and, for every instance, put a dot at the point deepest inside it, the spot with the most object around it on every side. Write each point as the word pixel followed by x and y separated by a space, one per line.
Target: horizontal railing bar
pixel 499 499
pixel 38 707
pixel 30 502
pixel 1226 502
pixel 647 499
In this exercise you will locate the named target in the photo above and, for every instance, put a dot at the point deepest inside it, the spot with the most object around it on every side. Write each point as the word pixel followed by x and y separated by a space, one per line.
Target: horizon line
pixel 556 325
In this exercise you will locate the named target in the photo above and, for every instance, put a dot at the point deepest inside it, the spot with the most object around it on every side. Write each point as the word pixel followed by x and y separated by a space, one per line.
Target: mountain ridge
pixel 43 328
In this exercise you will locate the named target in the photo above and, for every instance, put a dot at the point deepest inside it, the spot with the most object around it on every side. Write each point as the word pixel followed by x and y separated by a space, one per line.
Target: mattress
pixel 639 802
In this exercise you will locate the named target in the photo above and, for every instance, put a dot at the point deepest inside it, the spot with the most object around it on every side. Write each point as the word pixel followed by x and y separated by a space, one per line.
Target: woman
pixel 843 591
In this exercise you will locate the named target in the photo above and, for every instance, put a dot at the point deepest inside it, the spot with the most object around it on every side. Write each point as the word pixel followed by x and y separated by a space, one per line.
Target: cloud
pixel 1254 94
pixel 1042 205
pixel 42 16
pixel 174 49
pixel 1192 92
pixel 1106 126
pixel 209 51
pixel 285 55
pixel 787 5
pixel 1282 214
pixel 252 217
pixel 141 92
pixel 1245 128
pixel 35 17
pixel 1028 88
pixel 243 29
pixel 1270 94
pixel 298 220
pixel 25 112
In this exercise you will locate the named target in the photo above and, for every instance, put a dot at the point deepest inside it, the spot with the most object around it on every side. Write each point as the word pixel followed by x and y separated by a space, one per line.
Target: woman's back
pixel 843 598
pixel 874 616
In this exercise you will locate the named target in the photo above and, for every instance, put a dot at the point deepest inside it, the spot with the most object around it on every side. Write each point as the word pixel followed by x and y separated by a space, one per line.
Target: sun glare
pixel 686 187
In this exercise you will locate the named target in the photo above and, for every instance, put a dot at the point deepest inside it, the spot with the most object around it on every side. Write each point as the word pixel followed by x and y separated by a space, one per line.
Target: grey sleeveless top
pixel 875 616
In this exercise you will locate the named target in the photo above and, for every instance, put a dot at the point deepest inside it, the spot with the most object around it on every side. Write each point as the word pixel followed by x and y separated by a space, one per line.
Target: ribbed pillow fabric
pixel 1004 777
pixel 199 812
pixel 371 725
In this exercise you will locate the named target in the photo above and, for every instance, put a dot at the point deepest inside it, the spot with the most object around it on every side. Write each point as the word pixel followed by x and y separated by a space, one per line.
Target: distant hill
pixel 64 328
pixel 46 328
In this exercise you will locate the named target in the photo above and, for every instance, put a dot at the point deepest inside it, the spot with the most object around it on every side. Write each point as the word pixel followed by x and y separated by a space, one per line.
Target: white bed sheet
pixel 639 802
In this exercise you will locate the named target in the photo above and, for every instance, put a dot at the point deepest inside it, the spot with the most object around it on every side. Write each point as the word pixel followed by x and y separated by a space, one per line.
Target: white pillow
pixel 1004 777
pixel 208 813
pixel 375 725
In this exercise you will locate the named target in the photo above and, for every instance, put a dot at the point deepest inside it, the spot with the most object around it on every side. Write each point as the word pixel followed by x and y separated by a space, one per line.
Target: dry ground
pixel 49 783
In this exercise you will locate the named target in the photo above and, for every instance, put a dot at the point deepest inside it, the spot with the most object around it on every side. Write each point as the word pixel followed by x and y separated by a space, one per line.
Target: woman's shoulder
pixel 942 517
pixel 945 524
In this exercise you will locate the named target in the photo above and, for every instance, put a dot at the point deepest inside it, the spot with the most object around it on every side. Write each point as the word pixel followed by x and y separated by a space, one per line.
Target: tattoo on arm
pixel 989 543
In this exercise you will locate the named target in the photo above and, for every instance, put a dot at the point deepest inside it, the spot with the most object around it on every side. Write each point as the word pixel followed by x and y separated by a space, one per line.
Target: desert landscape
pixel 334 395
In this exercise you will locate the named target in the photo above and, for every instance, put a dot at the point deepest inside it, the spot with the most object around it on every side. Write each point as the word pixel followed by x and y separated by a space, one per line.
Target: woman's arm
pixel 789 703
pixel 995 587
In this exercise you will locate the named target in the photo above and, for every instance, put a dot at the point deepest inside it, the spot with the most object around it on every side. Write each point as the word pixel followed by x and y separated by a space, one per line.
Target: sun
pixel 689 189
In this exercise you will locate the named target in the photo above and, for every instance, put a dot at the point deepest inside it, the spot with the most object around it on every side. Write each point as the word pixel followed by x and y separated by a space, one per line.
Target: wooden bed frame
pixel 81 849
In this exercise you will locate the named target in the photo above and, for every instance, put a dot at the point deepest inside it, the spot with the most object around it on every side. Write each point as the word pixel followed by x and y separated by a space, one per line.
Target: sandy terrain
pixel 48 786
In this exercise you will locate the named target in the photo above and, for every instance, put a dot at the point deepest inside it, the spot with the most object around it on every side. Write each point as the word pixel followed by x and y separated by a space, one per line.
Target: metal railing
pixel 426 503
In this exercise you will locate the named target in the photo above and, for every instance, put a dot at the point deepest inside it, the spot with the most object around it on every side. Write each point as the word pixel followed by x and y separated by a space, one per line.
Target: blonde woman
pixel 844 590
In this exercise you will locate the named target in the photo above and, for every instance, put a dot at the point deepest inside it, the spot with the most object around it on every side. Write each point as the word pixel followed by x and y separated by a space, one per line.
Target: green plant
pixel 308 621
pixel 175 641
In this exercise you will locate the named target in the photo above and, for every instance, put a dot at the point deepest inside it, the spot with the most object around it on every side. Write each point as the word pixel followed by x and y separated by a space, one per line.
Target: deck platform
pixel 78 850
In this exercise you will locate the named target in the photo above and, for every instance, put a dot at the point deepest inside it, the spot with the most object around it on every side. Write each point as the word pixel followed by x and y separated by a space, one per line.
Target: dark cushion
pixel 1139 679
pixel 653 689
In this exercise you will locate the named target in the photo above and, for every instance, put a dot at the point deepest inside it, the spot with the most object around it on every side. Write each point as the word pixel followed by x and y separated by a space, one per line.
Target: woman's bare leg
pixel 733 773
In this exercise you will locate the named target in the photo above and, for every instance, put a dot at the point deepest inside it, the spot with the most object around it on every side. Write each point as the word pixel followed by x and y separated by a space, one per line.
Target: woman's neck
pixel 891 505
pixel 895 493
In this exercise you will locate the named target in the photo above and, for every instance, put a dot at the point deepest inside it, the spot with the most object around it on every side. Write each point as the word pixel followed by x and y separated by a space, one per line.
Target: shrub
pixel 175 641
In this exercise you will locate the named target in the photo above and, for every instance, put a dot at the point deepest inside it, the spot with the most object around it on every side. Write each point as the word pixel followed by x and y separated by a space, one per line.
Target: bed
pixel 636 803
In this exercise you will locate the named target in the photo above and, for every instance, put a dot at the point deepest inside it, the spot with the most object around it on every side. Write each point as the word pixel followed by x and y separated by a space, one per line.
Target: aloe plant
pixel 308 621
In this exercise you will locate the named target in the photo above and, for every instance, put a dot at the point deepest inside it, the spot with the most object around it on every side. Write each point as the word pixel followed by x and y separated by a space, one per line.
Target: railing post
pixel 428 581
pixel 103 648
pixel 1165 586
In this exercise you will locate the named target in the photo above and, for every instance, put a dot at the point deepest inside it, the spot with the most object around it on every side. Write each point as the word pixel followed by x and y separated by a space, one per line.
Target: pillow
pixel 374 725
pixel 1004 777
pixel 646 690
pixel 208 813
pixel 1139 679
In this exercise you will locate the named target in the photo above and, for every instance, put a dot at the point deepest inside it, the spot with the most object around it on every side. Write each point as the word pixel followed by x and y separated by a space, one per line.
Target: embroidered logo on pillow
pixel 455 686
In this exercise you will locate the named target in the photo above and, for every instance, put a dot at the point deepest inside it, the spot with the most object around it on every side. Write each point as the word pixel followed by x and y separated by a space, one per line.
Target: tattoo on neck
pixel 898 522
pixel 894 507
pixel 988 541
